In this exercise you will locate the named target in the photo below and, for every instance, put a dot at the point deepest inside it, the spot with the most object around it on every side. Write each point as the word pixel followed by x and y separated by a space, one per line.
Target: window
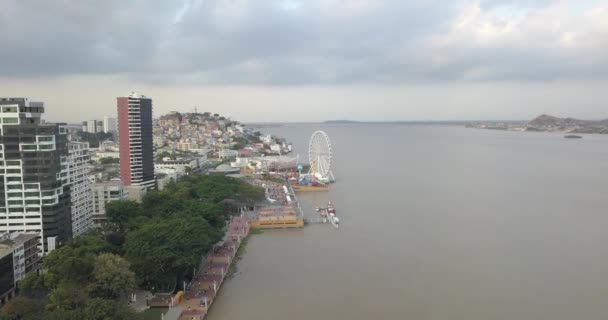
pixel 9 109
pixel 28 147
pixel 11 120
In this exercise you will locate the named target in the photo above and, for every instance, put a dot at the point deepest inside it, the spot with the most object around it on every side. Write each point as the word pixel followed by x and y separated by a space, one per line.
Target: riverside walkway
pixel 202 290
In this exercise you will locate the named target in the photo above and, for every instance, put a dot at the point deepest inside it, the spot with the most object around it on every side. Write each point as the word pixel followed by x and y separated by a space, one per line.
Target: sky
pixel 310 60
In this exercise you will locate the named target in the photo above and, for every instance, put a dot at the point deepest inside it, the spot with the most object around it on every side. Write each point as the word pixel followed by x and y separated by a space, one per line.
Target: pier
pixel 281 210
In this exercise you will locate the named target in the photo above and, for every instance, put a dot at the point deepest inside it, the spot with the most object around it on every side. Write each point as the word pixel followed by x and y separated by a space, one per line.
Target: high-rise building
pixel 109 125
pixel 136 140
pixel 91 126
pixel 34 189
pixel 99 126
pixel 81 192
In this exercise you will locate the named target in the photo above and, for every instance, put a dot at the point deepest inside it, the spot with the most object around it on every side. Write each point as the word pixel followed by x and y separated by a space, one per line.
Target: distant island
pixel 340 122
pixel 547 123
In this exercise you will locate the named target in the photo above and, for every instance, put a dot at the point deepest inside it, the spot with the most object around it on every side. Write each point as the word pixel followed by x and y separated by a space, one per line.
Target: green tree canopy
pixel 119 212
pixel 112 277
pixel 22 308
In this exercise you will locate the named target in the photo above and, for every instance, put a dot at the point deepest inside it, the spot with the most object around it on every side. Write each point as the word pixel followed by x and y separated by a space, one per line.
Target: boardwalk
pixel 201 292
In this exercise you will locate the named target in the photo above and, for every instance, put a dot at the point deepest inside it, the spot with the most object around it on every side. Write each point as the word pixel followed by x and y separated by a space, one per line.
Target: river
pixel 438 222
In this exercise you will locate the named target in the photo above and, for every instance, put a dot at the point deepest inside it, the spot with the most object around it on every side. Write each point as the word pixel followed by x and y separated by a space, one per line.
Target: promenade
pixel 202 290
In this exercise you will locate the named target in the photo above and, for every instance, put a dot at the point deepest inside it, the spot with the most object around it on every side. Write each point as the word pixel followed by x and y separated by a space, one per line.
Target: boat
pixel 573 136
pixel 330 209
pixel 331 213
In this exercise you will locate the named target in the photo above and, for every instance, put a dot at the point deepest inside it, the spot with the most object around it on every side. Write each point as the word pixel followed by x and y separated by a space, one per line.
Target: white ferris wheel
pixel 319 156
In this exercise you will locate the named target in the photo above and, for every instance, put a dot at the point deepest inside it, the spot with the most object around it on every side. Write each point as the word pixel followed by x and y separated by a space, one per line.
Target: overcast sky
pixel 310 60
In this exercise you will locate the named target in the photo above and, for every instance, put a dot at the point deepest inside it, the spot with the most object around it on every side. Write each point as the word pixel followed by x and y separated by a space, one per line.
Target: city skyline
pixel 315 60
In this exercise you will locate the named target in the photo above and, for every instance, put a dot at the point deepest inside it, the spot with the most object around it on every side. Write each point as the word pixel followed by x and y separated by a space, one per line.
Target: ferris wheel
pixel 319 156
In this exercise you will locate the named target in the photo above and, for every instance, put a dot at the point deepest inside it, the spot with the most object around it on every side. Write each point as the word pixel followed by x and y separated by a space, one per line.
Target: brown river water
pixel 438 222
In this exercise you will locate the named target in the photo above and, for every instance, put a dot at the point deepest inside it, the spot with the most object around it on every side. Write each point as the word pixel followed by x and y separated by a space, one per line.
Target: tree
pixel 74 261
pixel 119 212
pixel 67 296
pixel 166 249
pixel 34 285
pixel 112 277
pixel 109 160
pixel 22 308
pixel 102 309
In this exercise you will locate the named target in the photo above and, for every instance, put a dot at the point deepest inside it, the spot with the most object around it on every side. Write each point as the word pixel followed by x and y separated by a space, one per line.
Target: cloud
pixel 305 42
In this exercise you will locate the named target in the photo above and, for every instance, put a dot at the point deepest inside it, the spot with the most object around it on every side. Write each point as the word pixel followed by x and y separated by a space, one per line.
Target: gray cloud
pixel 304 42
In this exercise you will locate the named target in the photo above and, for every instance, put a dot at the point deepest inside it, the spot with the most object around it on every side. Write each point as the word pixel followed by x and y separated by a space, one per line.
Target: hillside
pixel 551 123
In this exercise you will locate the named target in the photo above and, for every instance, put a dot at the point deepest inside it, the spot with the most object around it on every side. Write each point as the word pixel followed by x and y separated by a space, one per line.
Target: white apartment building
pixel 109 125
pixel 92 126
pixel 103 193
pixel 34 195
pixel 81 192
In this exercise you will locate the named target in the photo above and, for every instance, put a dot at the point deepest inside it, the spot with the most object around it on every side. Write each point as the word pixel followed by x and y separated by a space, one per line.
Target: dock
pixel 281 210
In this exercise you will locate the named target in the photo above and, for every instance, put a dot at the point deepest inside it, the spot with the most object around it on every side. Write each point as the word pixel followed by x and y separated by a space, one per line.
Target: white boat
pixel 331 212
pixel 334 221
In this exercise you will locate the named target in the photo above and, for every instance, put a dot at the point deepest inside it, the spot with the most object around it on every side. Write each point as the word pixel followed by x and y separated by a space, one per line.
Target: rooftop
pixel 136 95
pixel 5 250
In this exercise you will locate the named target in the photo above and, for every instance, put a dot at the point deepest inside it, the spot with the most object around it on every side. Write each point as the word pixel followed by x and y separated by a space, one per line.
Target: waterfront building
pixel 81 192
pixel 34 188
pixel 104 193
pixel 135 140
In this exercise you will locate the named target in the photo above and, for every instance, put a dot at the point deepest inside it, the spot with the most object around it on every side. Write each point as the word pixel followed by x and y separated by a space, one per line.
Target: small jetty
pixel 281 210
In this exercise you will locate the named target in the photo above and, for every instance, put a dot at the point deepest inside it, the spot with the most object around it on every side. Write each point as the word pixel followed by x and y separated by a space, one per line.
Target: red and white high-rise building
pixel 136 140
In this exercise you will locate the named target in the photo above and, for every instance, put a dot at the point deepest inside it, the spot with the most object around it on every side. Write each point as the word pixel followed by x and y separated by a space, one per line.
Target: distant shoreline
pixel 331 122
pixel 547 123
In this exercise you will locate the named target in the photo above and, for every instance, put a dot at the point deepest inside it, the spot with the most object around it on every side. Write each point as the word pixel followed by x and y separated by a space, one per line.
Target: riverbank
pixel 202 290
